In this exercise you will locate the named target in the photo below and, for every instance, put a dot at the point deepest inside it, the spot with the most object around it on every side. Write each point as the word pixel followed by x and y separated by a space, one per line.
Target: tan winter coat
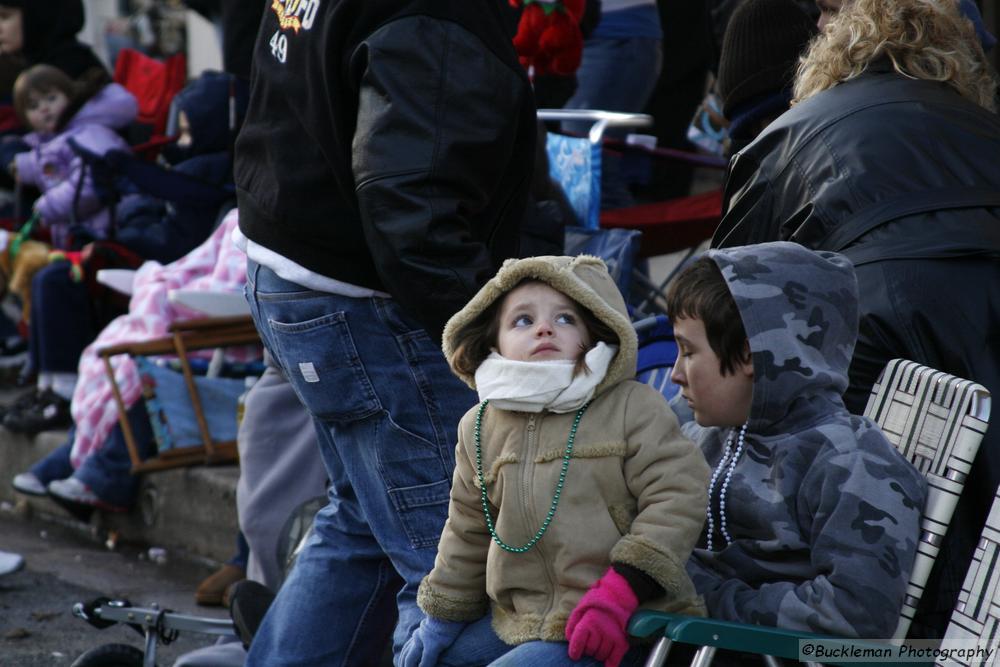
pixel 634 490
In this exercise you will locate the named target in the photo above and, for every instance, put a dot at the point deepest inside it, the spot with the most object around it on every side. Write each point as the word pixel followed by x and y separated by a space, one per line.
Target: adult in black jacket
pixel 382 174
pixel 48 35
pixel 889 155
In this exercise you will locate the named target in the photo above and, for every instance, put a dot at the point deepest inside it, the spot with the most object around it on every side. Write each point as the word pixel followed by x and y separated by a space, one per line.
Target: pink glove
pixel 597 625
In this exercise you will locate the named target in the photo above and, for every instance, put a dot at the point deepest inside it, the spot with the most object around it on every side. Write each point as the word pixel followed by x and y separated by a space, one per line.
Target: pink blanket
pixel 215 265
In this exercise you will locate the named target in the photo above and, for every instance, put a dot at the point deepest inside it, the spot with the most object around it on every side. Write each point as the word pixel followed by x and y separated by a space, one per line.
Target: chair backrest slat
pixel 976 618
pixel 936 421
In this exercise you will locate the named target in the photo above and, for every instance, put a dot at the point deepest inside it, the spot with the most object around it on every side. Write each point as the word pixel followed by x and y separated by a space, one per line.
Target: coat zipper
pixel 528 504
pixel 529 458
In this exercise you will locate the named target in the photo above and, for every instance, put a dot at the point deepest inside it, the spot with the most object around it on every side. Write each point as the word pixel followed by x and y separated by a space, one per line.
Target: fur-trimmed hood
pixel 583 278
pixel 633 494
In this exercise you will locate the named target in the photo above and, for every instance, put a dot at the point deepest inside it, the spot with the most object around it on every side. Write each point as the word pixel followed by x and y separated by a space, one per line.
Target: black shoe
pixel 248 602
pixel 13 357
pixel 22 402
pixel 12 348
pixel 78 511
pixel 49 412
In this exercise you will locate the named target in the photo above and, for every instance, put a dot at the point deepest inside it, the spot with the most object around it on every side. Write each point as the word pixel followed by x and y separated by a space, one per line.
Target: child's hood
pixel 112 106
pixel 584 279
pixel 800 312
pixel 206 102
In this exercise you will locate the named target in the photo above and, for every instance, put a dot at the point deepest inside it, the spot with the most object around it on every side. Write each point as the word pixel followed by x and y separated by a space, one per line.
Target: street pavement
pixel 64 566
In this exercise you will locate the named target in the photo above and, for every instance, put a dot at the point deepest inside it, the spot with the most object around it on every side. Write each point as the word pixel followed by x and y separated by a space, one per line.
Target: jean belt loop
pixel 253 273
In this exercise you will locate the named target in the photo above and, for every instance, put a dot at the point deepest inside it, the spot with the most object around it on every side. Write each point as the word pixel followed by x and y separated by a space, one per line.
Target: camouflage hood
pixel 584 279
pixel 800 313
pixel 816 523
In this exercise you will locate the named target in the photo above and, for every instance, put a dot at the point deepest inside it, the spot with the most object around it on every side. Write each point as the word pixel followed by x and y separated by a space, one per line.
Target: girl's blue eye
pixel 565 318
pixel 522 321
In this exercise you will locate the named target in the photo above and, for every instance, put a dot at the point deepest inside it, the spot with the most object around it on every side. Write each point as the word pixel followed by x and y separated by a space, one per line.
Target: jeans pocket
pixel 444 397
pixel 324 368
pixel 417 476
pixel 397 320
pixel 422 511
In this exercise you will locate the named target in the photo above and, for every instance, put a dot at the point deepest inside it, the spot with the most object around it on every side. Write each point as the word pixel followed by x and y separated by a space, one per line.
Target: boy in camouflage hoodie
pixel 813 517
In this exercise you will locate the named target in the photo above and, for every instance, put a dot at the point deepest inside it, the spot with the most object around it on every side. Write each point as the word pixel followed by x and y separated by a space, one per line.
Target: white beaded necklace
pixel 731 457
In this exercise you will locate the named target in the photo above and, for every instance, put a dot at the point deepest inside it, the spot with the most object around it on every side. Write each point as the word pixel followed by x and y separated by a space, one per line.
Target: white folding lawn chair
pixel 937 421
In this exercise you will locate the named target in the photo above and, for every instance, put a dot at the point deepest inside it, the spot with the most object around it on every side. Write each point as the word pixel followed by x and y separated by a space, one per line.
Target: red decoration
pixel 548 36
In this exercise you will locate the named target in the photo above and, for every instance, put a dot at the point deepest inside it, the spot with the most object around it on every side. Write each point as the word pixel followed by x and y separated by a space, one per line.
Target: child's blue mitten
pixel 431 638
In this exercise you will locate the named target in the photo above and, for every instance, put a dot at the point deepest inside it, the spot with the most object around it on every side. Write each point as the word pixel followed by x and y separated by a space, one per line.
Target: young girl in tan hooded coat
pixel 575 497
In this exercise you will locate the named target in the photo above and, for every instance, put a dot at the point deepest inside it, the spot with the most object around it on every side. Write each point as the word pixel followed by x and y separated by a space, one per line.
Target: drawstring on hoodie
pixel 731 457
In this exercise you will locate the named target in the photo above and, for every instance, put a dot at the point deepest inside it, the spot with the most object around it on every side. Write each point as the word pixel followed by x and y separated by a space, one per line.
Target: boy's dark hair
pixel 700 292
pixel 476 340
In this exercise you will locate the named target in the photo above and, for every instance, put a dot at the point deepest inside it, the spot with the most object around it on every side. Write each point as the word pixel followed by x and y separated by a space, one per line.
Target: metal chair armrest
pixel 601 120
pixel 742 637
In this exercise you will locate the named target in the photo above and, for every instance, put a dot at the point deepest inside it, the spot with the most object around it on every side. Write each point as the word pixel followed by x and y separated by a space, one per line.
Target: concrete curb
pixel 187 511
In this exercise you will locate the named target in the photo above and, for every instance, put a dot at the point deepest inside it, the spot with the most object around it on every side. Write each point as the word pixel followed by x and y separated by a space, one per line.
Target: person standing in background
pixel 620 67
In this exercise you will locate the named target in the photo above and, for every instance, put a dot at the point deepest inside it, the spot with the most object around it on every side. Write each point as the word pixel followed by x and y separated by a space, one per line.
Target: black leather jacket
pixel 903 177
pixel 389 145
pixel 884 169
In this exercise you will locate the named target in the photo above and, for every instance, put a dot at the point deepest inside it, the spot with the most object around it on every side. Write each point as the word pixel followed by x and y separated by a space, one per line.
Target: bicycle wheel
pixel 110 655
pixel 296 530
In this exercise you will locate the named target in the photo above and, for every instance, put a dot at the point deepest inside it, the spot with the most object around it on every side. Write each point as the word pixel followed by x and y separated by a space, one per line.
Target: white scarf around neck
pixel 533 386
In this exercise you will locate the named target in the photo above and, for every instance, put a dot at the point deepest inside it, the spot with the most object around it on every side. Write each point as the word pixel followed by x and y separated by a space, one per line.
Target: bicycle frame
pixel 155 624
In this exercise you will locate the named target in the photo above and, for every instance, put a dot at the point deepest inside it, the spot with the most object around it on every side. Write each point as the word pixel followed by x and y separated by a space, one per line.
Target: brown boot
pixel 211 590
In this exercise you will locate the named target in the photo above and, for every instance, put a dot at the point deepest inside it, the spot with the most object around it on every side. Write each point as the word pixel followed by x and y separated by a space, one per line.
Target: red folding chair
pixel 154 84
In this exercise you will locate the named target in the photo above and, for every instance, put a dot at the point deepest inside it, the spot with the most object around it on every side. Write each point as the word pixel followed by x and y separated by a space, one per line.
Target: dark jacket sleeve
pixel 437 116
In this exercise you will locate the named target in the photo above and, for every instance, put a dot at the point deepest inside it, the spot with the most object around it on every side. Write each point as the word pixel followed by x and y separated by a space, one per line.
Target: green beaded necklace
pixel 555 498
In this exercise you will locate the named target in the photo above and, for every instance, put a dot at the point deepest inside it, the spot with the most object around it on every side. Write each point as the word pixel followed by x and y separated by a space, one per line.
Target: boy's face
pixel 716 399
pixel 538 323
pixel 11 30
pixel 184 138
pixel 44 109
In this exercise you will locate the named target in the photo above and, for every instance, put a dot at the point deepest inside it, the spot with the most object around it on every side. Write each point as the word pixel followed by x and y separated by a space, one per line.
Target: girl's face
pixel 11 30
pixel 539 323
pixel 715 399
pixel 44 110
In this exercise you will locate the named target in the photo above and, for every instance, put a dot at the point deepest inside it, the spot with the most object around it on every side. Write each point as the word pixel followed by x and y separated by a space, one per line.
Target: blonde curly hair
pixel 924 39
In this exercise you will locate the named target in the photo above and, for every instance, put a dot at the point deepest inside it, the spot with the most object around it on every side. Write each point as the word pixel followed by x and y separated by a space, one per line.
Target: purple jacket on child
pixel 54 168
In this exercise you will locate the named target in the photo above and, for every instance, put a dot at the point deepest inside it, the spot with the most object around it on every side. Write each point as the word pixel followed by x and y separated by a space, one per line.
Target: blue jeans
pixel 479 646
pixel 386 409
pixel 107 471
pixel 615 74
pixel 62 324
